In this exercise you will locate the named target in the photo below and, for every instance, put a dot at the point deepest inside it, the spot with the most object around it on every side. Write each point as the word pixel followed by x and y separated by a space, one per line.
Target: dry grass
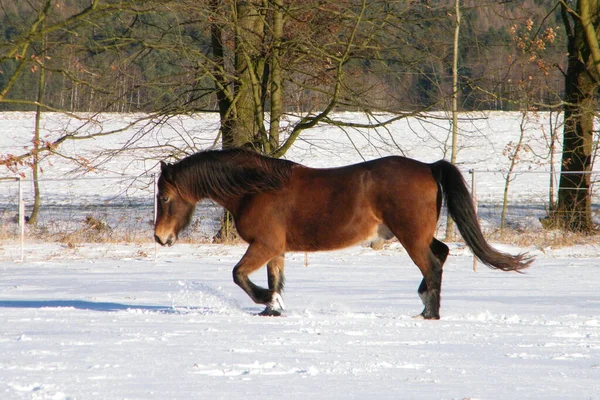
pixel 93 229
pixel 542 238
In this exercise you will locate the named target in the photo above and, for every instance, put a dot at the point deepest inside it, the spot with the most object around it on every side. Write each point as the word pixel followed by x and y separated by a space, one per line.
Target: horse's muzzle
pixel 168 242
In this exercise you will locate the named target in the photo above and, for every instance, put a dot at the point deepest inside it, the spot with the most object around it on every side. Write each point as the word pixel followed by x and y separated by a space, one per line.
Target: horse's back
pixel 392 176
pixel 391 167
pixel 336 207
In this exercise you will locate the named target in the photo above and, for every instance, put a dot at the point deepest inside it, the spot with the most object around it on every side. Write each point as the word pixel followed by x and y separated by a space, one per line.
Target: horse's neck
pixel 230 203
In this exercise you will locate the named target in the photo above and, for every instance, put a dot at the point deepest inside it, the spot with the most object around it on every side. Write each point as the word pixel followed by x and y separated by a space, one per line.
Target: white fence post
pixel 21 218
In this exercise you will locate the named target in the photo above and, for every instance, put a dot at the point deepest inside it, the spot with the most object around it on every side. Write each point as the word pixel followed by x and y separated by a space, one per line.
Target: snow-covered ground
pixel 77 325
pixel 127 321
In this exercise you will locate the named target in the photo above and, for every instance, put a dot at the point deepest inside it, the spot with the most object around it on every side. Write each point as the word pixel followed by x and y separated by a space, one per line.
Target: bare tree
pixel 455 56
pixel 573 211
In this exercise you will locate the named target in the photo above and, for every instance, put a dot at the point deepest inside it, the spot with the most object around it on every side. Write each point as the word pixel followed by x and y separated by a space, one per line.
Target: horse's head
pixel 174 211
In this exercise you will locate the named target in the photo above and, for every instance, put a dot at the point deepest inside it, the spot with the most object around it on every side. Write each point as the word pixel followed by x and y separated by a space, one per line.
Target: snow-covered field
pixel 76 325
pixel 124 321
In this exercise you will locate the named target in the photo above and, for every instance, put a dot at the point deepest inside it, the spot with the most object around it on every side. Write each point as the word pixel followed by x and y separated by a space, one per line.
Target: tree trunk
pixel 248 68
pixel 573 211
pixel 241 111
pixel 276 77
pixel 35 167
pixel 449 222
pixel 224 95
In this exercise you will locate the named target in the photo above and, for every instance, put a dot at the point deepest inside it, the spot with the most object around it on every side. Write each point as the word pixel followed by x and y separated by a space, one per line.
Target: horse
pixel 280 206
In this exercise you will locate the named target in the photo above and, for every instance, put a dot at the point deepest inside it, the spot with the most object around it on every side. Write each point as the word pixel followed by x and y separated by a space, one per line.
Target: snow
pixel 130 327
pixel 129 321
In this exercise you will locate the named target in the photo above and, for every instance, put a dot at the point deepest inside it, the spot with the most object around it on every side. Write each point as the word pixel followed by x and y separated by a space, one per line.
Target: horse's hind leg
pixel 440 251
pixel 431 285
pixel 429 255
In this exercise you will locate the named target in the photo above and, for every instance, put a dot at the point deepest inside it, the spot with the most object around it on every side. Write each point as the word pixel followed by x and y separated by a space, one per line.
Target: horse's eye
pixel 164 199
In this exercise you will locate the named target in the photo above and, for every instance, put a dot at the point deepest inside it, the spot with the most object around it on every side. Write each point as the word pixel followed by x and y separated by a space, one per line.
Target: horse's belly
pixel 330 236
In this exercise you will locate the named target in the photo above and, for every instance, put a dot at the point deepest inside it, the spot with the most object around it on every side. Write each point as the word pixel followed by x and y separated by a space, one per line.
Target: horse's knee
pixel 238 276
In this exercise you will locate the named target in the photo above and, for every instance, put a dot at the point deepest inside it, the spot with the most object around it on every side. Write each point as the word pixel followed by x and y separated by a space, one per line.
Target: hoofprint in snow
pixel 76 325
pixel 111 321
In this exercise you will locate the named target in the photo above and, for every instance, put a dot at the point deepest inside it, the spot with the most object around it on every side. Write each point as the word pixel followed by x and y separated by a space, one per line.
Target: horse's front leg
pixel 276 279
pixel 256 256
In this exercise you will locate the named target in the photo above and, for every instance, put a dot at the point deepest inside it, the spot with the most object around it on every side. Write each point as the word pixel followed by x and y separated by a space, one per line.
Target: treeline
pixel 131 56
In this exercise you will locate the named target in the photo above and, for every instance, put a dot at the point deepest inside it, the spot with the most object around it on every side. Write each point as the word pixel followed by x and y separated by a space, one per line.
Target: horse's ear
pixel 165 171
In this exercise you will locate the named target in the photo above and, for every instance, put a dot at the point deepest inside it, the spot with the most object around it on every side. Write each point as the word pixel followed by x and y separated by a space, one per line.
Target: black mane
pixel 229 173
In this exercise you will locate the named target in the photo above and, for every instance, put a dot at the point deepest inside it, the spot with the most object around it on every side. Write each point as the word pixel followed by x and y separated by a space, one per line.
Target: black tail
pixel 461 209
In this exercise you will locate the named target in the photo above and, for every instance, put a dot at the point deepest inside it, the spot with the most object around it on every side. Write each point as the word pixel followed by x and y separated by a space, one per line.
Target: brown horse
pixel 280 206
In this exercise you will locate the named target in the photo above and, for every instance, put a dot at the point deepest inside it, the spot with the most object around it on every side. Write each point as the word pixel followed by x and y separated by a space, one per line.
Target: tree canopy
pixel 150 55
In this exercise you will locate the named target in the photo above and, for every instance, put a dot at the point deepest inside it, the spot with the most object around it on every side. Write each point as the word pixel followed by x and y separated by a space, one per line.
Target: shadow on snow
pixel 83 305
pixel 115 307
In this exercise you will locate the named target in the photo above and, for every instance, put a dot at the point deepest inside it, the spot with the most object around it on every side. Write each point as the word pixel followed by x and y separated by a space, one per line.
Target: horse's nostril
pixel 157 239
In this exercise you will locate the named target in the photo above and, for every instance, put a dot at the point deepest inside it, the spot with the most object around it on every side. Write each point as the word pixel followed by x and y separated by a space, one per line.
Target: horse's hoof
pixel 428 317
pixel 277 302
pixel 275 307
pixel 269 312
